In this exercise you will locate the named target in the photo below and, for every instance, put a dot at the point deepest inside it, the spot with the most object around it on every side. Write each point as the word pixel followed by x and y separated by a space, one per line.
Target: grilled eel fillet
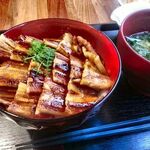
pixel 60 69
pixel 78 97
pixel 27 94
pixel 22 109
pixel 7 93
pixel 88 80
pixel 74 85
pixel 91 77
pixel 15 50
pixel 23 104
pixel 52 99
pixel 76 68
pixel 90 54
pixel 47 41
pixel 11 73
pixel 34 81
pixel 61 61
pixel 4 56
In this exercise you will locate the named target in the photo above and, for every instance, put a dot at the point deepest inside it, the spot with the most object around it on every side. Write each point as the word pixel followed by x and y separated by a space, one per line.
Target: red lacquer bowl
pixel 136 67
pixel 54 28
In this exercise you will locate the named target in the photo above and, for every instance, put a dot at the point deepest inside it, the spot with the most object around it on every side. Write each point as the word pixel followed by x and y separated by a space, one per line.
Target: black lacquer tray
pixel 125 104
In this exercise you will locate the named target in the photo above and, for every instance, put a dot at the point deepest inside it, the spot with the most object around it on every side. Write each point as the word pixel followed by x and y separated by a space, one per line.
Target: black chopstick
pixel 91 133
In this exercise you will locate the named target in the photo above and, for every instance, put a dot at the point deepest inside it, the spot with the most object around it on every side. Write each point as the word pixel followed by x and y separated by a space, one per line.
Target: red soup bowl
pixel 54 28
pixel 136 67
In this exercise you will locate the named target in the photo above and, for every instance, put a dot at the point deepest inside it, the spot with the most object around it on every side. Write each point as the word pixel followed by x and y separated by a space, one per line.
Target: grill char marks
pixel 4 56
pixel 59 77
pixel 61 62
pixel 64 46
pixel 76 68
pixel 22 95
pixel 35 80
pixel 52 99
pixel 16 50
pixel 34 83
pixel 11 73
pixel 60 69
pixel 23 104
pixel 79 98
pixel 7 93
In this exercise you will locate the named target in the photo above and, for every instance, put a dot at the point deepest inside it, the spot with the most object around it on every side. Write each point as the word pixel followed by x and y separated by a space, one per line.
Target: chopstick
pixel 130 126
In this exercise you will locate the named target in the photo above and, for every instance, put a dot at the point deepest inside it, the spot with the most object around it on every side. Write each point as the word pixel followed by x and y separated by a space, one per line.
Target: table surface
pixel 13 12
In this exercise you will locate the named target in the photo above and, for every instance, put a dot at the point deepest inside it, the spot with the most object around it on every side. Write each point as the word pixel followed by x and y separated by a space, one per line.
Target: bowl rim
pixel 123 36
pixel 51 120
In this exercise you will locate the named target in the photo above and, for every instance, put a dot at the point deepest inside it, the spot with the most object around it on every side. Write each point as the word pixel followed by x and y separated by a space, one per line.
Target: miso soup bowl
pixel 54 28
pixel 136 67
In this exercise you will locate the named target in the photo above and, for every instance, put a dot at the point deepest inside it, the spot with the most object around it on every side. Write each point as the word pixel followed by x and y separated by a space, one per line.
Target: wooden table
pixel 13 12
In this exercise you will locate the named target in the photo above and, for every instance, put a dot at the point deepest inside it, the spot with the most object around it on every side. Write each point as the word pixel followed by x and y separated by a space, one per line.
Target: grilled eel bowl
pixel 55 73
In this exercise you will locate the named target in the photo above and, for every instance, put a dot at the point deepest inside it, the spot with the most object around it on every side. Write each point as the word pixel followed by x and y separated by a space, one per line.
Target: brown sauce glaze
pixel 49 91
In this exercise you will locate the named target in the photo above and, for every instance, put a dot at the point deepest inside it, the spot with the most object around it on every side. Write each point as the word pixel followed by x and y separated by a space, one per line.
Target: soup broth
pixel 140 42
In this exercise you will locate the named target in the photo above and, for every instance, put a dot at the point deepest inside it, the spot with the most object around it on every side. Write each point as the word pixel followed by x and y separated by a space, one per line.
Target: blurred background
pixel 13 12
pixel 128 1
